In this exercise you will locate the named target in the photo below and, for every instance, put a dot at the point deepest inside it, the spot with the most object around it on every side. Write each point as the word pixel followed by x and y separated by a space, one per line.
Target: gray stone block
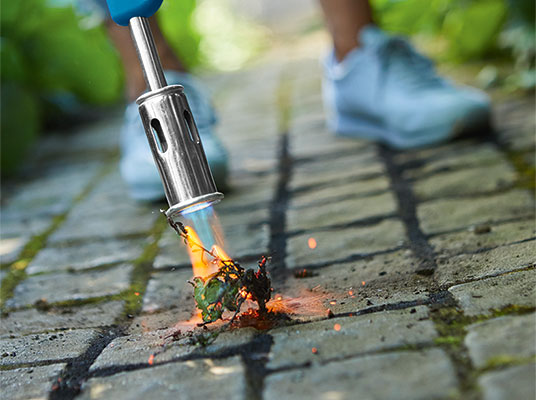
pixel 329 194
pixel 46 346
pixel 469 240
pixel 168 290
pixel 481 297
pixel 328 171
pixel 342 243
pixel 139 348
pixel 196 379
pixel 341 212
pixel 350 336
pixel 511 383
pixel 71 286
pixel 403 375
pixel 29 383
pixel 465 181
pixel 443 215
pixel 501 339
pixel 86 255
pixel 24 322
pixel 500 260
pixel 353 286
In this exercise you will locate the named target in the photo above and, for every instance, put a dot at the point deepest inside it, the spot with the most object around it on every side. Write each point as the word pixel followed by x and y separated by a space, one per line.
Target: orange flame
pixel 201 264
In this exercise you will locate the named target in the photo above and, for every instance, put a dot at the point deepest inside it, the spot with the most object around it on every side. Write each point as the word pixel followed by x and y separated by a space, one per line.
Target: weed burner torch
pixel 167 119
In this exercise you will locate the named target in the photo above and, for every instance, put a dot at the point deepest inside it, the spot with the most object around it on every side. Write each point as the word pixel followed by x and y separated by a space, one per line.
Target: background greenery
pixel 54 58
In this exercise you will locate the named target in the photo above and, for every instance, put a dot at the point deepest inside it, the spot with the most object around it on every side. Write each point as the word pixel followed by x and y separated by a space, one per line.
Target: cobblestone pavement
pixel 426 260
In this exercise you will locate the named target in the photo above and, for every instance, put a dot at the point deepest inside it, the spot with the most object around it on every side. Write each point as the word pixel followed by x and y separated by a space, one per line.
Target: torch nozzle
pixel 172 132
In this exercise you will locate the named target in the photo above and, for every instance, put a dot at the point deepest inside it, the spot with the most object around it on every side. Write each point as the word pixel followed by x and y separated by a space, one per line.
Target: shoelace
pixel 412 69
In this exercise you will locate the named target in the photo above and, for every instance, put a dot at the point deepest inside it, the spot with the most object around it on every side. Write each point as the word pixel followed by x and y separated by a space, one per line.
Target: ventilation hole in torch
pixel 192 130
pixel 158 135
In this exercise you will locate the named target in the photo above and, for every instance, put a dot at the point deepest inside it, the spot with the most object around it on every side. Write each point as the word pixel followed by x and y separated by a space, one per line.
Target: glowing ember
pixel 351 292
pixel 332 302
pixel 314 350
pixel 312 243
pixel 151 359
pixel 337 327
pixel 279 298
pixel 363 283
pixel 137 293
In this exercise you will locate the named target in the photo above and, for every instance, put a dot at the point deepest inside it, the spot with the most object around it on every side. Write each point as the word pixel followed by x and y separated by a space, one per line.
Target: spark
pixel 337 327
pixel 137 293
pixel 363 283
pixel 151 359
pixel 332 302
pixel 351 292
pixel 314 350
pixel 312 243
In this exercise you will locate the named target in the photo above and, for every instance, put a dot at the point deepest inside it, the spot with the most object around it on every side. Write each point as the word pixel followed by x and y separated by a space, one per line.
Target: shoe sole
pixel 371 130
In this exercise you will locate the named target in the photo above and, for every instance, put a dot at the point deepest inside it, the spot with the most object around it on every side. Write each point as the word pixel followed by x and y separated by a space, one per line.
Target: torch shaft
pixel 147 53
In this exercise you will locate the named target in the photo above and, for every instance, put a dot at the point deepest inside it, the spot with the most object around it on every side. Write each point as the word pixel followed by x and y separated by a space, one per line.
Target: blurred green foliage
pixel 472 29
pixel 47 53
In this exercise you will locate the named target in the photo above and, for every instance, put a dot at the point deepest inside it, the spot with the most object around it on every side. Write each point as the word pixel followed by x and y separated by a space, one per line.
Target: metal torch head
pixel 177 150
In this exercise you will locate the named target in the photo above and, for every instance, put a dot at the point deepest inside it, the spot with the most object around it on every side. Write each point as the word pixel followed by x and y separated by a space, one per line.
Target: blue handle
pixel 123 10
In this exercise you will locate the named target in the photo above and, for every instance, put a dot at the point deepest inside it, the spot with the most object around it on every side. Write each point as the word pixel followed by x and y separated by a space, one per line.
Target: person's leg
pixel 135 82
pixel 344 19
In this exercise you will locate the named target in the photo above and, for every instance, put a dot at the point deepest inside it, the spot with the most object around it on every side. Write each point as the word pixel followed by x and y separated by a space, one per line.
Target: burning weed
pixel 229 287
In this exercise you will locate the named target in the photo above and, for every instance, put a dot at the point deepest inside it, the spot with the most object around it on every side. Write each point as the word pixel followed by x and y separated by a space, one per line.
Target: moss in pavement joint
pixel 506 361
pixel 17 269
pixel 142 270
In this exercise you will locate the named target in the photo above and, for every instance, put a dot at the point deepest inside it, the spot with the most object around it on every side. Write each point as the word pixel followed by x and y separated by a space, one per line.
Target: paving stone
pixel 137 349
pixel 331 194
pixel 469 240
pixel 402 375
pixel 444 215
pixel 458 269
pixel 29 383
pixel 46 346
pixel 247 240
pixel 86 255
pixel 105 226
pixel 356 335
pixel 342 243
pixel 464 155
pixel 71 286
pixel 330 171
pixel 511 383
pixel 349 287
pixel 480 297
pixel 340 213
pixel 52 192
pixel 196 379
pixel 107 212
pixel 16 234
pixel 500 339
pixel 246 234
pixel 172 251
pixel 166 290
pixel 247 190
pixel 24 322
pixel 465 181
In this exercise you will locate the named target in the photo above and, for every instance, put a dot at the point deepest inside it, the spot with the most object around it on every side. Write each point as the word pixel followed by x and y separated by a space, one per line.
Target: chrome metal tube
pixel 172 132
pixel 147 53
